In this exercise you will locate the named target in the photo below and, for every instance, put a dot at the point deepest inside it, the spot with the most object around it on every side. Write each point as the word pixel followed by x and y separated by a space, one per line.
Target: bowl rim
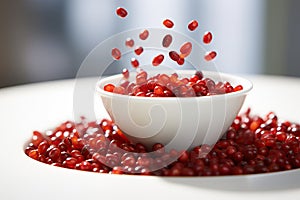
pixel 247 87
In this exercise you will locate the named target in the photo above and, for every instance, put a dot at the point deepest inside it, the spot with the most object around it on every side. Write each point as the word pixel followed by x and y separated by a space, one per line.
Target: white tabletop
pixel 41 106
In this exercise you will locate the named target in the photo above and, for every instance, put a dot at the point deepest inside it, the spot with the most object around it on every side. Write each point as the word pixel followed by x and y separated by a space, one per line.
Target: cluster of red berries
pixel 163 85
pixel 179 57
pixel 252 145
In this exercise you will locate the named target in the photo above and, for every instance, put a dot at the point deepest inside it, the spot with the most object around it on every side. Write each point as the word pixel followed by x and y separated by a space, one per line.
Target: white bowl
pixel 177 122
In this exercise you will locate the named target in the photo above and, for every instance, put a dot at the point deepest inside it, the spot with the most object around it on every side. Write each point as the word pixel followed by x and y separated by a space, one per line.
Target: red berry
pixel 54 154
pixel 144 34
pixel 119 90
pixel 238 88
pixel 174 56
pixel 167 40
pixel 158 60
pixel 125 73
pixel 158 90
pixel 135 63
pixel 180 61
pixel 34 154
pixel 186 49
pixel 200 75
pixel 168 23
pixel 129 42
pixel 109 88
pixel 138 51
pixel 121 12
pixel 116 53
pixel 192 25
pixel 207 37
pixel 37 138
pixel 43 146
pixel 210 55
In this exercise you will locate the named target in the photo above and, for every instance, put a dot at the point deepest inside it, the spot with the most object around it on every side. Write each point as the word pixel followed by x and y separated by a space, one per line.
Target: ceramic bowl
pixel 177 122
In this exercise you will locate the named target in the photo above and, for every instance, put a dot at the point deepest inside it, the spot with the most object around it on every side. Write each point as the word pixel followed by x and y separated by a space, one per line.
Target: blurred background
pixel 48 40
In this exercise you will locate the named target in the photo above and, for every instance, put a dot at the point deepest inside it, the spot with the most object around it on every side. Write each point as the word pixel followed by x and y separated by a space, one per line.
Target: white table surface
pixel 40 106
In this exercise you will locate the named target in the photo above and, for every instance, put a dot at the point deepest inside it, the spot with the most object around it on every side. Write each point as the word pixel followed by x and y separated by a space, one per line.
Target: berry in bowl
pixel 181 110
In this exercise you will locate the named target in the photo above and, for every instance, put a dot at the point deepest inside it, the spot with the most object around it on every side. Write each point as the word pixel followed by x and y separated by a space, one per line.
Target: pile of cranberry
pixel 251 145
pixel 163 85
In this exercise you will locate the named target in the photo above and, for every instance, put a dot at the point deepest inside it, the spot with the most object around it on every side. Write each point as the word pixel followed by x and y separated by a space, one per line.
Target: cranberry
pixel 193 25
pixel 135 63
pixel 238 88
pixel 199 74
pixel 121 12
pixel 186 49
pixel 158 60
pixel 174 56
pixel 119 90
pixel 109 87
pixel 194 79
pixel 158 149
pixel 168 23
pixel 37 138
pixel 180 61
pixel 43 146
pixel 207 37
pixel 144 34
pixel 210 55
pixel 34 154
pixel 139 50
pixel 116 53
pixel 69 163
pixel 129 42
pixel 158 90
pixel 167 40
pixel 117 170
pixel 184 157
pixel 129 161
pixel 125 73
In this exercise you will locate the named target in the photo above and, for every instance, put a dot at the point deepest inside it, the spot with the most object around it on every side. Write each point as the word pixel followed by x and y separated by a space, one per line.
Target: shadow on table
pixel 261 182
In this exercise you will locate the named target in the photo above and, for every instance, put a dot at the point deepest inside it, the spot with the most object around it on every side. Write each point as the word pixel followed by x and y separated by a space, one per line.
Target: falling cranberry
pixel 168 23
pixel 129 42
pixel 180 61
pixel 167 40
pixel 116 53
pixel 135 63
pixel 138 51
pixel 121 12
pixel 210 55
pixel 144 34
pixel 174 56
pixel 193 25
pixel 207 37
pixel 186 49
pixel 158 60
pixel 125 73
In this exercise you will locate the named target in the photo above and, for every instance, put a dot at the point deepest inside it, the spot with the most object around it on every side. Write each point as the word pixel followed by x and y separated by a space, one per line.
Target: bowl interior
pixel 216 76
